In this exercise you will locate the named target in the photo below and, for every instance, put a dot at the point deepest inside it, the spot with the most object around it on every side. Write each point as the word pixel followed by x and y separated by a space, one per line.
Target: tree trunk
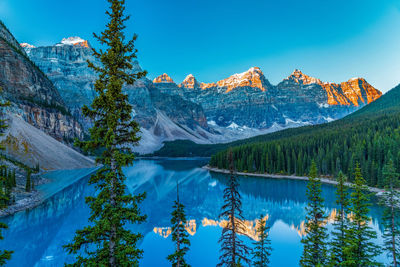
pixel 262 251
pixel 113 230
pixel 233 229
pixel 178 248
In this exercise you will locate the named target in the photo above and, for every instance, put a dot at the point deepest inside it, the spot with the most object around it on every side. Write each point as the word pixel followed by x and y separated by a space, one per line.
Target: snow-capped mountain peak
pixel 190 82
pixel 26 45
pixel 76 41
pixel 253 77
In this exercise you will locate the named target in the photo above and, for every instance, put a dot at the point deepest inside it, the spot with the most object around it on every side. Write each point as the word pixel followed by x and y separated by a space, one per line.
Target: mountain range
pixel 47 87
pixel 240 106
pixel 368 138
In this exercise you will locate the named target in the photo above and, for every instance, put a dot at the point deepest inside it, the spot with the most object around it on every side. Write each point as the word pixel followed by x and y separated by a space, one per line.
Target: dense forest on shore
pixel 370 137
pixel 388 104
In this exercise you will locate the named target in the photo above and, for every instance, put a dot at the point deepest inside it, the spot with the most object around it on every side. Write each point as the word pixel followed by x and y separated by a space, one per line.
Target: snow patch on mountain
pixel 75 41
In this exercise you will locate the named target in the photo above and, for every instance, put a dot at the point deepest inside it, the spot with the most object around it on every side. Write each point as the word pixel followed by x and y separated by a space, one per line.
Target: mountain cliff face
pixel 32 95
pixel 161 116
pixel 240 106
pixel 248 100
pixel 354 92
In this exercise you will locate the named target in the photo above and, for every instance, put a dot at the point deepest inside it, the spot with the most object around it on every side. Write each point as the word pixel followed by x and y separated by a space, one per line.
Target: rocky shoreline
pixel 375 190
pixel 23 200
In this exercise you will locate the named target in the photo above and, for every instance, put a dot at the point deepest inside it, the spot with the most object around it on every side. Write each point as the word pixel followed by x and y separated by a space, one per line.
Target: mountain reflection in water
pixel 37 235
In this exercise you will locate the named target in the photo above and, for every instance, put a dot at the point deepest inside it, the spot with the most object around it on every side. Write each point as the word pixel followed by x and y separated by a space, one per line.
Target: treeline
pixel 7 183
pixel 351 242
pixel 371 142
pixel 387 105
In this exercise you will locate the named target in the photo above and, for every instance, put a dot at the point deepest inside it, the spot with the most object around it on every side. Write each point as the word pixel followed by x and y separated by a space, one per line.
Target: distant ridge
pixel 385 107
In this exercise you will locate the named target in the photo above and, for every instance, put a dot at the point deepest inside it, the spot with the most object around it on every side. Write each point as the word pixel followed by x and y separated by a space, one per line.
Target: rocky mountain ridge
pixel 240 106
pixel 161 116
pixel 32 95
pixel 249 100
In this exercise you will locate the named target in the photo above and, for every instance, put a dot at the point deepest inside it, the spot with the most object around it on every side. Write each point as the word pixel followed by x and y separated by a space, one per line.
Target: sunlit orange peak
pixel 164 78
pixel 76 41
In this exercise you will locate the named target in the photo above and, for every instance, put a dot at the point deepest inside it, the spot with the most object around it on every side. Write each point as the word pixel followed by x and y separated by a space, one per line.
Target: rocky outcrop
pixel 164 116
pixel 164 78
pixel 355 92
pixel 32 94
pixel 6 35
pixel 253 78
pixel 240 106
pixel 248 100
pixel 190 82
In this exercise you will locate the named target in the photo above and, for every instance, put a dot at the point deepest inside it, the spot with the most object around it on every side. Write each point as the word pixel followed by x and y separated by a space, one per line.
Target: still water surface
pixel 37 235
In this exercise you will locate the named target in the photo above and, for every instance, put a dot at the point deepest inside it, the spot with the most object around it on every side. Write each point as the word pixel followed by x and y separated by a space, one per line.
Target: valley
pixel 193 143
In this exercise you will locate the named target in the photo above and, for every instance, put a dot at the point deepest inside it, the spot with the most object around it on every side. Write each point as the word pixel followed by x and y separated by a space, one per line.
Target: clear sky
pixel 333 40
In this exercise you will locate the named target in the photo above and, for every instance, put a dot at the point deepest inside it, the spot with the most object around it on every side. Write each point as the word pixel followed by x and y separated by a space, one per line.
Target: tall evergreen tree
pixel 391 214
pixel 341 224
pixel 14 178
pixel 32 184
pixel 314 251
pixel 4 254
pixel 262 249
pixel 107 241
pixel 28 183
pixel 179 234
pixel 360 250
pixel 233 249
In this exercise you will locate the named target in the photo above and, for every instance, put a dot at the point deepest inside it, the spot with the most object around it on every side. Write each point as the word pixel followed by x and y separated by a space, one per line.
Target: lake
pixel 37 235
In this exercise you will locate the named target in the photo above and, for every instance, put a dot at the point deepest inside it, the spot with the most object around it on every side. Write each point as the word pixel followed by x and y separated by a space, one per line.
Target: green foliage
pixel 41 103
pixel 28 183
pixel 4 196
pixel 262 247
pixel 386 106
pixel 361 249
pixel 106 241
pixel 37 168
pixel 334 149
pixel 315 250
pixel 18 163
pixel 14 179
pixel 391 215
pixel 340 226
pixel 179 234
pixel 232 248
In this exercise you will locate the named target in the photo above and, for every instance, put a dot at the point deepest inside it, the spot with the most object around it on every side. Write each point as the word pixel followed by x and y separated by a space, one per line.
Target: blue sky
pixel 212 39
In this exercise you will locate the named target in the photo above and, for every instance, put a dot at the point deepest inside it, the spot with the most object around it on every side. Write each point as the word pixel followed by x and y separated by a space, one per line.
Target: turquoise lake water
pixel 37 235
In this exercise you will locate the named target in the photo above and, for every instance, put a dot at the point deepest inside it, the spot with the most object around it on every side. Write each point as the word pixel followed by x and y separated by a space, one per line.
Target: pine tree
pixel 232 248
pixel 179 234
pixel 341 224
pixel 360 250
pixel 314 251
pixel 391 215
pixel 262 249
pixel 28 182
pixel 107 242
pixel 32 184
pixel 14 178
pixel 4 254
pixel 3 192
